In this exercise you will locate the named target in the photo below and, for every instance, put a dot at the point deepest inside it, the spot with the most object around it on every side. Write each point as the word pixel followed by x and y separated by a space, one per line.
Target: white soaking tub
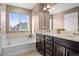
pixel 14 46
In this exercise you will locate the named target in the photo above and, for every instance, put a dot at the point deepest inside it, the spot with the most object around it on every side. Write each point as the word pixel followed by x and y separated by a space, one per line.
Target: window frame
pixel 7 23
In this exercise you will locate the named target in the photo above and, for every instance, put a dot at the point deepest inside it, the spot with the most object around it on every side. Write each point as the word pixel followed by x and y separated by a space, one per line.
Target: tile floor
pixel 30 53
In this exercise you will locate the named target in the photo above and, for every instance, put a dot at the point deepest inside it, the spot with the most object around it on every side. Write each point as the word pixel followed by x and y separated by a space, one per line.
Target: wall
pixel 3 18
pixel 58 19
pixel 35 19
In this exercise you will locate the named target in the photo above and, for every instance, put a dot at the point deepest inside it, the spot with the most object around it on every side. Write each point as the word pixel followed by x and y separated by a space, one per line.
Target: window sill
pixel 17 31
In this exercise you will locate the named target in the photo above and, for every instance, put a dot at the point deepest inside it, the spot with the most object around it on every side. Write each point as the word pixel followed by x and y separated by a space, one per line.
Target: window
pixel 18 22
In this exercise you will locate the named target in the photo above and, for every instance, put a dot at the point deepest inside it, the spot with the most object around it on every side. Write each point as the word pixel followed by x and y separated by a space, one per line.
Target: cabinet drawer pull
pixel 47 46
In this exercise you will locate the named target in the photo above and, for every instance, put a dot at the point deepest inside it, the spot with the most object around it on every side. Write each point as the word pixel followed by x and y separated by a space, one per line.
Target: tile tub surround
pixel 64 36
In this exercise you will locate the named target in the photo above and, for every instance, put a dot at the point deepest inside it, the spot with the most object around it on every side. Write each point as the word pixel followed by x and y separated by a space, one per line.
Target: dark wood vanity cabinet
pixel 49 45
pixel 53 46
pixel 37 42
pixel 65 47
pixel 40 43
pixel 45 44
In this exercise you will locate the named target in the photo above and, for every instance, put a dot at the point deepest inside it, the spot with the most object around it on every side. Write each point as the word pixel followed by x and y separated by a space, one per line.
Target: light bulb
pixel 48 6
pixel 44 8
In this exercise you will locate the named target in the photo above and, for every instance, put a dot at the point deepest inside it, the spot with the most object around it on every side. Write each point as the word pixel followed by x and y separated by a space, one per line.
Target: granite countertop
pixel 64 36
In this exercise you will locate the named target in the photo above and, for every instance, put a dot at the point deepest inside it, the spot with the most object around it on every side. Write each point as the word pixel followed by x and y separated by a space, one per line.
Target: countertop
pixel 64 36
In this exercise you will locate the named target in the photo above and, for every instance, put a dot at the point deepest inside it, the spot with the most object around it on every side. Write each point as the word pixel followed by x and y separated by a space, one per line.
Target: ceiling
pixel 23 5
pixel 59 7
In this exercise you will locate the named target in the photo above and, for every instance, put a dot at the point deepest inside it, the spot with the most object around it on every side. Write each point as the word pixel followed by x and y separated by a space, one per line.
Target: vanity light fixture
pixel 47 7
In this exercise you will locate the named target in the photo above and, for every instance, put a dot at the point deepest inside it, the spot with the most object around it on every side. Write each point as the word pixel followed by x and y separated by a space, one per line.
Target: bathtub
pixel 14 46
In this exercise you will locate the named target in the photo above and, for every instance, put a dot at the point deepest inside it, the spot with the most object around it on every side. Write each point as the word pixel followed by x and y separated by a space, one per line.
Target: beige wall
pixel 35 19
pixel 3 18
pixel 58 19
pixel 41 20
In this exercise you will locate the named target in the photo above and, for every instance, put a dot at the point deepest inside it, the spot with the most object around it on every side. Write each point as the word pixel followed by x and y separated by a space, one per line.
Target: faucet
pixel 9 43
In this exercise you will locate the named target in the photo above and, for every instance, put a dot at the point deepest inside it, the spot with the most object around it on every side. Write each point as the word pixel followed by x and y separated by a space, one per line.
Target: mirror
pixel 71 22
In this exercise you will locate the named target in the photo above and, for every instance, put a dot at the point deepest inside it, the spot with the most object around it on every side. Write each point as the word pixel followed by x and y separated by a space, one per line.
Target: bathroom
pixel 23 25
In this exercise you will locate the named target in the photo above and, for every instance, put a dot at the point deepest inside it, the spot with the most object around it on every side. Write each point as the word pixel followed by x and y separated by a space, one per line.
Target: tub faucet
pixel 9 43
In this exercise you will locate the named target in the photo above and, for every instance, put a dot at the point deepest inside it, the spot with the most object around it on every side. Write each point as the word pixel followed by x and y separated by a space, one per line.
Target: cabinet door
pixel 42 45
pixel 59 50
pixel 49 45
pixel 37 43
pixel 72 53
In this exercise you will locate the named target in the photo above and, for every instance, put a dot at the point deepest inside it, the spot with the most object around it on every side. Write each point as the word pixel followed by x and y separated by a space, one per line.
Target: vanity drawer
pixel 49 38
pixel 49 48
pixel 48 43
